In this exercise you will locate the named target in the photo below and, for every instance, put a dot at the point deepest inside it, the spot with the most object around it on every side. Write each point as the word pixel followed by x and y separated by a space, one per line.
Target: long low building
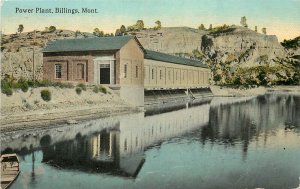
pixel 121 62
pixel 164 71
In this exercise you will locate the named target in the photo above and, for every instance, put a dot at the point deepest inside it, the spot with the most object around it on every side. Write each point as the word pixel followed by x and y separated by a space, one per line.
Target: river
pixel 222 142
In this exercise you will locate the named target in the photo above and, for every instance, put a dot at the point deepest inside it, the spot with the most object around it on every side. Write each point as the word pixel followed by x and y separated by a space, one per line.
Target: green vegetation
pixel 201 27
pixel 292 43
pixel 284 72
pixel 20 28
pixel 103 89
pixel 46 95
pixel 244 22
pixel 78 90
pixel 158 25
pixel 137 27
pixel 100 88
pixel 23 85
pixel 82 86
pixel 95 89
pixel 52 28
pixel 77 33
pixel 216 31
pixel 97 32
pixel 121 31
pixel 9 83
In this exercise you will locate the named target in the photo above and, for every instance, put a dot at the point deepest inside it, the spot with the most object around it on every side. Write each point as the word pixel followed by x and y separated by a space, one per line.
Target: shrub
pixel 6 87
pixel 8 91
pixel 95 89
pixel 82 86
pixel 62 85
pixel 52 28
pixel 103 89
pixel 46 95
pixel 23 85
pixel 78 90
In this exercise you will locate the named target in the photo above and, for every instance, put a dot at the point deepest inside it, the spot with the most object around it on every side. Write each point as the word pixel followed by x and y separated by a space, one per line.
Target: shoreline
pixel 72 115
pixel 48 119
pixel 219 91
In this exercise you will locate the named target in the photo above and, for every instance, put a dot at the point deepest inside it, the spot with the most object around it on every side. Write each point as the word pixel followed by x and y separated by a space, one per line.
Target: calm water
pixel 220 143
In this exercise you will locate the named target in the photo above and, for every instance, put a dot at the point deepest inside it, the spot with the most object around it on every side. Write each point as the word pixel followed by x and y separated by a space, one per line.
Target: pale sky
pixel 280 17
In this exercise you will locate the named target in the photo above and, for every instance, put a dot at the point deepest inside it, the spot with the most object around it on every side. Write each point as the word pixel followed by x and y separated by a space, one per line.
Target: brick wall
pixel 70 62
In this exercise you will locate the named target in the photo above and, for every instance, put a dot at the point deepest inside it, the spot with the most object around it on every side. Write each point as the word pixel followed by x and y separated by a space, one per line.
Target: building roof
pixel 153 55
pixel 89 44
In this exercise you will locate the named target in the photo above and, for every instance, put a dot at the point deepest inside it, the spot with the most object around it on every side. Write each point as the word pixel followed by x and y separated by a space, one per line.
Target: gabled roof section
pixel 153 55
pixel 90 44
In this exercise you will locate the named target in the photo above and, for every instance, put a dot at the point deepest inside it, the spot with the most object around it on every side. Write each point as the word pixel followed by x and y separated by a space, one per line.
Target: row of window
pixel 79 74
pixel 126 70
pixel 169 75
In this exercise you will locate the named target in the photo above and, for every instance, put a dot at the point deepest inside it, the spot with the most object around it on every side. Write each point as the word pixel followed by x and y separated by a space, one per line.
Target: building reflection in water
pixel 119 149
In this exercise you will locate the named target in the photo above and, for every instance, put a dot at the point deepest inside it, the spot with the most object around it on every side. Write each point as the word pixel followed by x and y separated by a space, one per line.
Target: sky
pixel 280 17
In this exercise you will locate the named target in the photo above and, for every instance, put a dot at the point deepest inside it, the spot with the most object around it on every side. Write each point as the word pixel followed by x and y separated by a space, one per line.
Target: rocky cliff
pixel 234 45
pixel 237 43
pixel 171 40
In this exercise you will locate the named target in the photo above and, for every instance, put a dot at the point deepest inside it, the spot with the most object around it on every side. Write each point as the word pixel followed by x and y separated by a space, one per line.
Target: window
pixel 169 74
pixel 125 145
pixel 80 71
pixel 125 71
pixel 160 74
pixel 57 71
pixel 136 71
pixel 176 75
pixel 152 73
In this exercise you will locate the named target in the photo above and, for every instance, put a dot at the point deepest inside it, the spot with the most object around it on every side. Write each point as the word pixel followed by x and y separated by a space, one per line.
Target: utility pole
pixel 33 64
pixel 33 68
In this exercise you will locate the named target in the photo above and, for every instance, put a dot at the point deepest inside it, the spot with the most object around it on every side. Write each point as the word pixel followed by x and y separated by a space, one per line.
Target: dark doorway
pixel 104 74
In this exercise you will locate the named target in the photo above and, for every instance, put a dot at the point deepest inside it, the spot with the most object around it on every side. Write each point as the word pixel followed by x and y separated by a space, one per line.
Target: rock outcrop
pixel 243 46
pixel 171 40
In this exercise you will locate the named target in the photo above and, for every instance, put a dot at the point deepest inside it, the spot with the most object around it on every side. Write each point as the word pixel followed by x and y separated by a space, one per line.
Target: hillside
pixel 225 49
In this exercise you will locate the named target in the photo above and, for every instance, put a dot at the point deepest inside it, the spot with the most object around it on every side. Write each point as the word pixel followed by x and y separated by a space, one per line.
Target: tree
pixel 201 27
pixel 118 32
pixel 210 26
pixel 158 25
pixel 264 30
pixel 255 29
pixel 123 29
pixel 139 25
pixel 20 28
pixel 244 21
pixel 77 33
pixel 52 28
pixel 97 32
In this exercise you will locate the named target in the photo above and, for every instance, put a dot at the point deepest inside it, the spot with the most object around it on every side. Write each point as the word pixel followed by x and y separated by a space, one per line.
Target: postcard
pixel 150 94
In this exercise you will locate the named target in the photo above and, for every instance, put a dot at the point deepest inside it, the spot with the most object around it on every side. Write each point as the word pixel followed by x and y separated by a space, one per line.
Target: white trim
pixel 104 60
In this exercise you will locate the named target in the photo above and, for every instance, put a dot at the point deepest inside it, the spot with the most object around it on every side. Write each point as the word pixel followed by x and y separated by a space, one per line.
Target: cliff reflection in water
pixel 246 121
